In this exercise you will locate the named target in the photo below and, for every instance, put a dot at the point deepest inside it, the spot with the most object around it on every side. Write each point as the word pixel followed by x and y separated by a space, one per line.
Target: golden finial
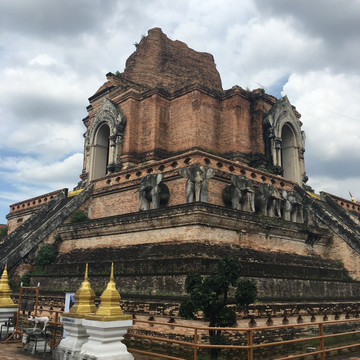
pixel 5 291
pixel 86 272
pixel 84 299
pixel 112 273
pixel 109 309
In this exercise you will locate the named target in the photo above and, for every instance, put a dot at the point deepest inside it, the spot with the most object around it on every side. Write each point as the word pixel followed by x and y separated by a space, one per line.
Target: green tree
pixel 210 295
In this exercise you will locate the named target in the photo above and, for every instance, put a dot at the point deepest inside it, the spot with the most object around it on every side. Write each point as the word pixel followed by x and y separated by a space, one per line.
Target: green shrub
pixel 79 215
pixel 14 285
pixel 45 256
pixel 57 238
pixel 25 279
pixel 3 231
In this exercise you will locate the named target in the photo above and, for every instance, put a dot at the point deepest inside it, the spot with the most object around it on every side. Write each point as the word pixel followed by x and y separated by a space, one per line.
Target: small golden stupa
pixel 109 309
pixel 5 291
pixel 84 300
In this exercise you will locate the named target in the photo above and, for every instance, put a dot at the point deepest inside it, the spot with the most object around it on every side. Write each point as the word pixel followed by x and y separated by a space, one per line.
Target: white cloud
pixel 43 60
pixel 27 177
pixel 330 109
pixel 266 50
pixel 57 173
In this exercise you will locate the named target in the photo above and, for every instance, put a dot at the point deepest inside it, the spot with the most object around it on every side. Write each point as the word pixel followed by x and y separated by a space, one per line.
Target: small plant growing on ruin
pixel 78 216
pixel 45 256
pixel 57 238
pixel 210 295
pixel 25 279
pixel 3 232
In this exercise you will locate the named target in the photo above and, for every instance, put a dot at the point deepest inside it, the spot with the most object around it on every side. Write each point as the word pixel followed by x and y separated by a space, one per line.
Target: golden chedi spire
pixel 5 291
pixel 109 309
pixel 84 300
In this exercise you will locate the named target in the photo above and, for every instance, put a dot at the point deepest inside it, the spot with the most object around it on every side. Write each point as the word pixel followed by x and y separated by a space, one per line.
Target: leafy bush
pixel 210 295
pixel 14 285
pixel 25 279
pixel 78 216
pixel 3 231
pixel 187 310
pixel 45 256
pixel 246 292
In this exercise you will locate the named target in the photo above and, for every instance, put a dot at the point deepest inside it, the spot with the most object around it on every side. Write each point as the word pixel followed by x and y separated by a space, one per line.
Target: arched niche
pixel 289 153
pixel 103 141
pixel 286 141
pixel 101 151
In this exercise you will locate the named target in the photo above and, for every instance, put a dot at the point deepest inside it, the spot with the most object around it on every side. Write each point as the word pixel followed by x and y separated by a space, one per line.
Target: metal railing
pixel 250 345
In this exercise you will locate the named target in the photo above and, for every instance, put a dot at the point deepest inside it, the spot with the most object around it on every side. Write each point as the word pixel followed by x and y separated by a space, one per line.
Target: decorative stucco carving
pixel 152 190
pixel 240 193
pixel 268 200
pixel 293 207
pixel 285 140
pixel 109 114
pixel 196 185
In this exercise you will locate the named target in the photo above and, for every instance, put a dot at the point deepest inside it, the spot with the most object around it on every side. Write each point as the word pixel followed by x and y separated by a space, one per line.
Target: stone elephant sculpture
pixel 293 207
pixel 152 190
pixel 197 182
pixel 240 193
pixel 268 200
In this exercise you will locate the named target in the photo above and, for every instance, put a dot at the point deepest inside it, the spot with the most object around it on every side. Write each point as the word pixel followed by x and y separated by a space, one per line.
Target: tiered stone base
pixel 76 337
pixel 104 341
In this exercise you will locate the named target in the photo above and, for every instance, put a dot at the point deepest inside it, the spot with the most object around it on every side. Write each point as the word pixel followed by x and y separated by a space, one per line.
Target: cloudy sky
pixel 54 55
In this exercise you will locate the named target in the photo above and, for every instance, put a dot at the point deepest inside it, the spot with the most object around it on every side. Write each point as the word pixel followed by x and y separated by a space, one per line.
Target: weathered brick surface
pixel 173 101
pixel 161 62
pixel 118 193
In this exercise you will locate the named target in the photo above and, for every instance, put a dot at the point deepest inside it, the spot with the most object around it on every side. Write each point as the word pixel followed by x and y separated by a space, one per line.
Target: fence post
pixel 195 343
pixel 322 342
pixel 250 344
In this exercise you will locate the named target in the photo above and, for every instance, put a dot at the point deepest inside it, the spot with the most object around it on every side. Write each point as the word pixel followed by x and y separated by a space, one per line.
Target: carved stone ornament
pixel 110 114
pixel 285 142
pixel 152 190
pixel 196 188
pixel 239 193
pixel 268 200
pixel 293 207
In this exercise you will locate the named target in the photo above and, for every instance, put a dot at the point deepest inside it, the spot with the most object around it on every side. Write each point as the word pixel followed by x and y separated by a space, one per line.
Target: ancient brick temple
pixel 178 173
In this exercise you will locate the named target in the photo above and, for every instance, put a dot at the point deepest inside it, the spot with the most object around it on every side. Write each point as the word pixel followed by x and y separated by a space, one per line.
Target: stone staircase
pixel 21 244
pixel 339 220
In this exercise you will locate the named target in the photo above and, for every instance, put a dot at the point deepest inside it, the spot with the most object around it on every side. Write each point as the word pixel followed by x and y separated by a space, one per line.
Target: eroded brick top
pixel 159 62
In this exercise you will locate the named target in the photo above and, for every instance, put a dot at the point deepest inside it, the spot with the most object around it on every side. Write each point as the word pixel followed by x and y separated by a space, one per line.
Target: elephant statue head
pixel 239 192
pixel 293 207
pixel 152 190
pixel 196 185
pixel 269 200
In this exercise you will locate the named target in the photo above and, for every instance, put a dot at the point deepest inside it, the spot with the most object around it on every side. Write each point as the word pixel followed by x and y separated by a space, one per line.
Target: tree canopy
pixel 210 294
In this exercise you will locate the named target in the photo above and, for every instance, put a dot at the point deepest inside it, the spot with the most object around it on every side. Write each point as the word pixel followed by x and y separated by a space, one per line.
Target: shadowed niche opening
pixel 289 154
pixel 101 151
